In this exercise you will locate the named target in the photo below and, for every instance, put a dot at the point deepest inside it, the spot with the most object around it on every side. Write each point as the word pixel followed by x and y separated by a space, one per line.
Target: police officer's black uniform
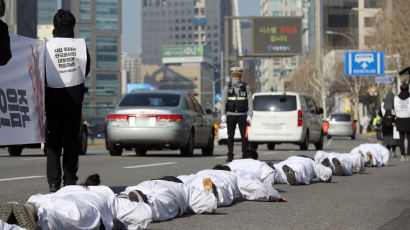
pixel 237 107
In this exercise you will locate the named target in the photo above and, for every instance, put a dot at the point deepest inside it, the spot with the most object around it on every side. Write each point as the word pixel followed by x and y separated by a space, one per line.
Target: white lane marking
pixel 21 178
pixel 150 165
pixel 33 159
pixel 329 143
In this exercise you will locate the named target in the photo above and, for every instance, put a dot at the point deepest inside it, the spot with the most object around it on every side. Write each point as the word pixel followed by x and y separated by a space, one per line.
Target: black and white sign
pixel 66 60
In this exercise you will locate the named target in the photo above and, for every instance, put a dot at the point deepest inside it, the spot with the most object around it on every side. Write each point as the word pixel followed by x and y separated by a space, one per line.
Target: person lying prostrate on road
pixel 374 154
pixel 6 226
pixel 341 164
pixel 251 187
pixel 170 198
pixel 87 206
pixel 301 170
pixel 225 183
pixel 250 163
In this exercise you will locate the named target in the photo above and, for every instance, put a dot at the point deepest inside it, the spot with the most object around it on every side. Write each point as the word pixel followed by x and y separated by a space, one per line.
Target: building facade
pixel 275 71
pixel 182 22
pixel 21 17
pixel 99 23
pixel 132 66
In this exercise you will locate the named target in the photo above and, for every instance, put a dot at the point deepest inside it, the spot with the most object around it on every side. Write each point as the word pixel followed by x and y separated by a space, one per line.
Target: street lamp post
pixel 343 35
pixel 354 79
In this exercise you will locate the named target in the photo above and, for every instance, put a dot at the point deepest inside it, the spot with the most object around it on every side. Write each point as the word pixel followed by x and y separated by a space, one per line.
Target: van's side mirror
pixel 208 112
pixel 320 110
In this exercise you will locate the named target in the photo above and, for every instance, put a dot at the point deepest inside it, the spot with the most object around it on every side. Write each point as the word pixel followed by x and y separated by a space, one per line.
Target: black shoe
pixel 230 158
pixel 53 187
pixel 338 167
pixel 326 162
pixel 290 175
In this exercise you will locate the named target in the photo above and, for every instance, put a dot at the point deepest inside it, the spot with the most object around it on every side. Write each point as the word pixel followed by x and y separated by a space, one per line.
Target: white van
pixel 285 117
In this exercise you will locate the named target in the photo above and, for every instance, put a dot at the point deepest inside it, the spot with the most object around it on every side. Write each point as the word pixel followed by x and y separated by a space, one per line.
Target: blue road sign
pixel 218 97
pixel 364 63
pixel 384 80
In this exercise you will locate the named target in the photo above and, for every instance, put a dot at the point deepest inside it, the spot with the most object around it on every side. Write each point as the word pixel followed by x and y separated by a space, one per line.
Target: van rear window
pixel 274 103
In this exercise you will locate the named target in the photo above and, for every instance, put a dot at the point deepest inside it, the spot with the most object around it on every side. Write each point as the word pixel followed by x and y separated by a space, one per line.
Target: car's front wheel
pixel 15 150
pixel 209 149
pixel 84 141
pixel 271 146
pixel 188 149
pixel 114 150
pixel 141 151
pixel 254 145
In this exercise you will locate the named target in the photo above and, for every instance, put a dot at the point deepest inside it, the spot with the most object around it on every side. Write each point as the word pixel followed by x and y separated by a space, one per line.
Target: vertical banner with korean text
pixel 22 117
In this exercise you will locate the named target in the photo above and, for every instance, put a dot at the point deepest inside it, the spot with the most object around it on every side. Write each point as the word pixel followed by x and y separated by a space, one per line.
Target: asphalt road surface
pixel 377 199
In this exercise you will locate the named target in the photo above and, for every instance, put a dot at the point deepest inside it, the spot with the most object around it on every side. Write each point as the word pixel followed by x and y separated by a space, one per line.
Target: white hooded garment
pixel 6 226
pixel 252 187
pixel 171 199
pixel 260 168
pixel 224 181
pixel 77 207
pixel 305 170
pixel 345 161
pixel 380 154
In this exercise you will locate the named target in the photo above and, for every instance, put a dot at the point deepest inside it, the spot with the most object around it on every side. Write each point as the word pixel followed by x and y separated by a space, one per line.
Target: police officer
pixel 63 114
pixel 236 109
pixel 5 53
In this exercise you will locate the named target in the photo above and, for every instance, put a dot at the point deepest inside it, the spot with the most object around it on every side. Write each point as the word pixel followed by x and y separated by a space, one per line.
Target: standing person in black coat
pixel 5 53
pixel 386 112
pixel 63 115
pixel 402 109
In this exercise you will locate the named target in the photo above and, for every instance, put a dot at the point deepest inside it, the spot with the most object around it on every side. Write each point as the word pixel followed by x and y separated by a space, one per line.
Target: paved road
pixel 376 199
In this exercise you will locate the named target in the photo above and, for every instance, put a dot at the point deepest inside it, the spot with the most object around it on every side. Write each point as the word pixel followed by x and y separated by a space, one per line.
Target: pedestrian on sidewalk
pixel 402 109
pixel 5 53
pixel 386 112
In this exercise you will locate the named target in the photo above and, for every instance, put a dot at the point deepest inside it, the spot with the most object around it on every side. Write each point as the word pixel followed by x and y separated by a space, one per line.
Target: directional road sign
pixel 384 80
pixel 218 97
pixel 364 63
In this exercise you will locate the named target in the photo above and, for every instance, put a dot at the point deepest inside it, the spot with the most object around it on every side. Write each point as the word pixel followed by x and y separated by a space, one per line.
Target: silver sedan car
pixel 155 120
pixel 341 124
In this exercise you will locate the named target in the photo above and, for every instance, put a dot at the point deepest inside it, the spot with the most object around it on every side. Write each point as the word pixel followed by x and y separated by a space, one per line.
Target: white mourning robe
pixel 224 181
pixel 78 207
pixel 171 199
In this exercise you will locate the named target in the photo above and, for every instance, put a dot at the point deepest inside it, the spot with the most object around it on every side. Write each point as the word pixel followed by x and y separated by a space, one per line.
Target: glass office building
pixel 99 23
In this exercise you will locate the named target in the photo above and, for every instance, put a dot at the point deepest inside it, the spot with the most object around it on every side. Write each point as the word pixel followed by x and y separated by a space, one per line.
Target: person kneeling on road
pixel 87 206
pixel 169 197
pixel 298 170
pixel 236 109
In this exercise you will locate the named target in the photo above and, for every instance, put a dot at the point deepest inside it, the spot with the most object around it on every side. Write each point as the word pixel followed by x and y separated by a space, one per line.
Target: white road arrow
pixel 364 65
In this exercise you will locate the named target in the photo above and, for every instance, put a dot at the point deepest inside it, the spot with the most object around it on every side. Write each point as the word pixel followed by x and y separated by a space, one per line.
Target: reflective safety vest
pixel 237 103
